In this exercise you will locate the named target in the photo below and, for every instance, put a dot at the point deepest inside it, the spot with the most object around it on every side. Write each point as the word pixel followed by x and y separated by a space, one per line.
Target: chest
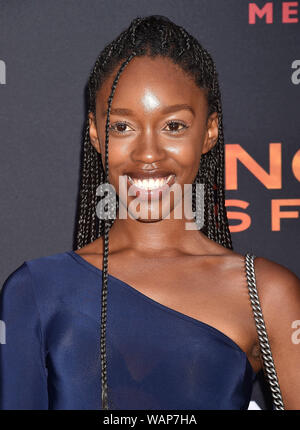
pixel 216 294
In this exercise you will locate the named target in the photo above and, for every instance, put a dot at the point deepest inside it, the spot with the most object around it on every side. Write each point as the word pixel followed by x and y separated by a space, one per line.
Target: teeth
pixel 150 184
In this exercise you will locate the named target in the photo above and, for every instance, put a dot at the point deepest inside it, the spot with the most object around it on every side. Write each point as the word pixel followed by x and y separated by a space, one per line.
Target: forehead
pixel 157 79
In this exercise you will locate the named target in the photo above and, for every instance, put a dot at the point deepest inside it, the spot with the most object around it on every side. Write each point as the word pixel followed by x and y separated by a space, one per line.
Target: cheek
pixel 118 152
pixel 117 159
pixel 187 154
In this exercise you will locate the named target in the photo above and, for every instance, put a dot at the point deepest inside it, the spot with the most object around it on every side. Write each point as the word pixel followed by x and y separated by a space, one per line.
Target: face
pixel 159 127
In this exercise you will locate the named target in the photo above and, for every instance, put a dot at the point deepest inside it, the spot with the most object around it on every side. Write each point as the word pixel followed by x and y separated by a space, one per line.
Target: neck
pixel 153 238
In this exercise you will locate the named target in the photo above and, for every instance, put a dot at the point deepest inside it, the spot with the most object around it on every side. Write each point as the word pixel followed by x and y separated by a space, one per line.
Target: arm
pixel 23 376
pixel 279 293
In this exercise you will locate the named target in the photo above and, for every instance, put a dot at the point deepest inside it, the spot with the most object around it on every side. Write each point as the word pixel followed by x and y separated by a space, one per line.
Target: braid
pixel 105 253
pixel 149 36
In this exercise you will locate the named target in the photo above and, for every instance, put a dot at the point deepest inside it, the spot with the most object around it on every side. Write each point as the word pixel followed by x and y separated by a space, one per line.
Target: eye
pixel 173 126
pixel 119 127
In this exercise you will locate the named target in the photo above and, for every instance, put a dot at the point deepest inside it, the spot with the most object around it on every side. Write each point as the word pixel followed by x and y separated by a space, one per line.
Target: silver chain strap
pixel 269 366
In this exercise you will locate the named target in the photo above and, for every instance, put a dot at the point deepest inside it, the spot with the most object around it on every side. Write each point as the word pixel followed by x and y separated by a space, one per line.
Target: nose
pixel 148 148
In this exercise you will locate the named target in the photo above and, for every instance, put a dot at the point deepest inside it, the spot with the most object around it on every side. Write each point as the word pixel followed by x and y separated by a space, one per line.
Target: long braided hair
pixel 150 36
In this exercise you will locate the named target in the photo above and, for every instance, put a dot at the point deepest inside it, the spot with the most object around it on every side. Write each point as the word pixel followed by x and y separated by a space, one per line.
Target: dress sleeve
pixel 23 375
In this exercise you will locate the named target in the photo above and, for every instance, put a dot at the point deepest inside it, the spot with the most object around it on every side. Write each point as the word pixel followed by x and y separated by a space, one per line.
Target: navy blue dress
pixel 157 358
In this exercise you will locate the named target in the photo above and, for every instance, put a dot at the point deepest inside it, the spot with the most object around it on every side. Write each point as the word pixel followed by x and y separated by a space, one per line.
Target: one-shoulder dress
pixel 157 357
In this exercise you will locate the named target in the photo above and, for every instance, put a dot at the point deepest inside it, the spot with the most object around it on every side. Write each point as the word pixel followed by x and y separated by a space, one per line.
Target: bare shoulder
pixel 275 281
pixel 279 293
pixel 278 287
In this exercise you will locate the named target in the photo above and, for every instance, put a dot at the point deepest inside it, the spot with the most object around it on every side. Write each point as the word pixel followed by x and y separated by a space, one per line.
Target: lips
pixel 147 174
pixel 148 185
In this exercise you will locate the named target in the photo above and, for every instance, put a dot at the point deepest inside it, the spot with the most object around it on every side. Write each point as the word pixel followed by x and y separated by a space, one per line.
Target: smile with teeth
pixel 150 184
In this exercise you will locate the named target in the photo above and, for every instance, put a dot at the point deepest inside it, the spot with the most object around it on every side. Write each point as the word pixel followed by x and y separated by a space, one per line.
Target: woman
pixel 176 324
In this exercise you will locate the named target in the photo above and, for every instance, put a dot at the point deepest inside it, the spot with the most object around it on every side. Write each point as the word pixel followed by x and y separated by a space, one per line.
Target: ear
pixel 93 133
pixel 212 132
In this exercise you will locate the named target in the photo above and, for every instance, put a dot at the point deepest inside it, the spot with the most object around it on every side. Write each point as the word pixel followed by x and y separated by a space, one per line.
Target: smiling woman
pixel 161 136
pixel 176 324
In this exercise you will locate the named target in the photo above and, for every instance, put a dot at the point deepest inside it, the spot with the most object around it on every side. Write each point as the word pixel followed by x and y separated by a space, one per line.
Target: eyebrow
pixel 168 109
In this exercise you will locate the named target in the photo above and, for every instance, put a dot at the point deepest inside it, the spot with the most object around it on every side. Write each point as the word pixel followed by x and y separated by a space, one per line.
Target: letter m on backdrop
pixel 265 11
